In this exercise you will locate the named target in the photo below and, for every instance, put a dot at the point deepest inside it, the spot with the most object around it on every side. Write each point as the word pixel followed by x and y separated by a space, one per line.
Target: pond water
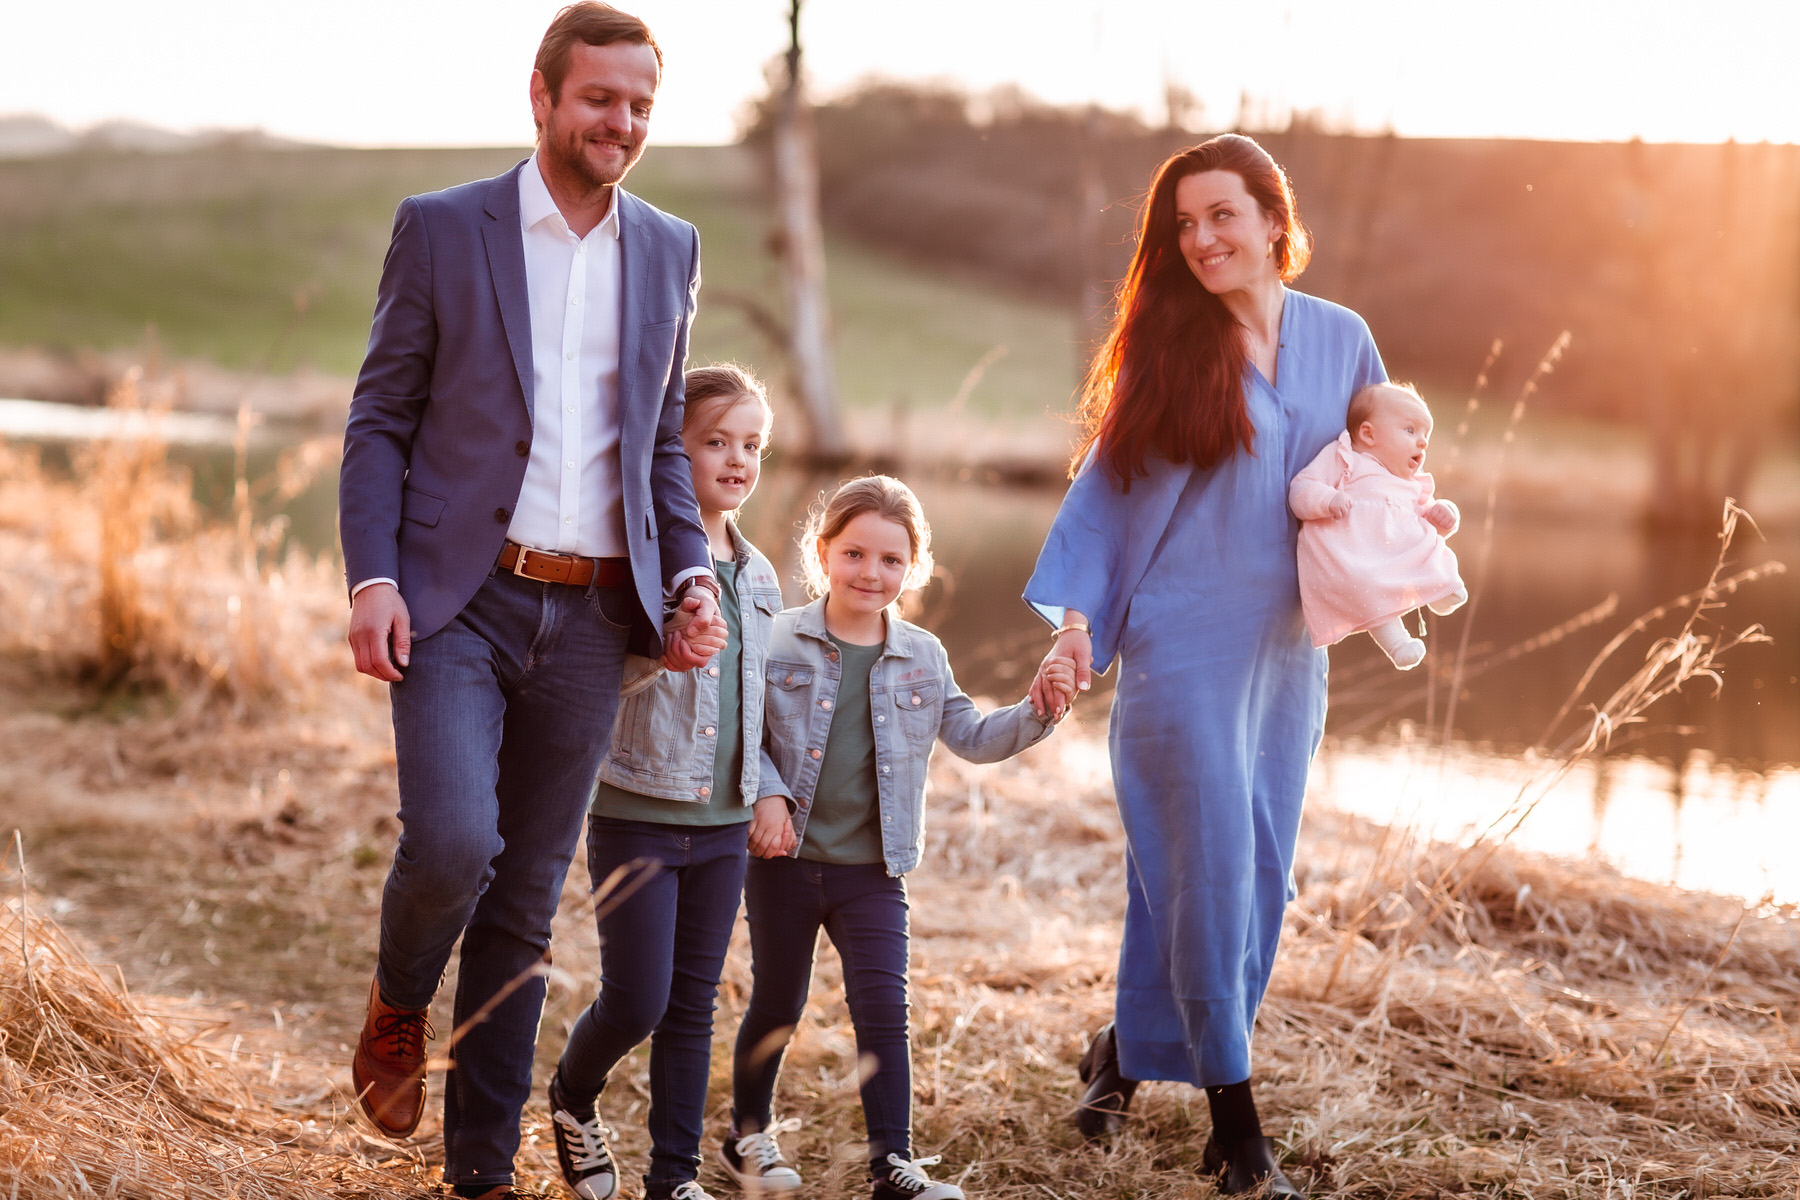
pixel 1709 768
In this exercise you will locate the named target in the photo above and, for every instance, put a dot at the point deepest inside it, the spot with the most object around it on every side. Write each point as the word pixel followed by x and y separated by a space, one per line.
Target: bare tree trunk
pixel 802 247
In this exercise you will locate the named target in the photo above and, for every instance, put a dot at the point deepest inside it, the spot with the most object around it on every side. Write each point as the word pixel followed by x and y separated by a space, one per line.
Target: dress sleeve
pixel 1099 547
pixel 1311 492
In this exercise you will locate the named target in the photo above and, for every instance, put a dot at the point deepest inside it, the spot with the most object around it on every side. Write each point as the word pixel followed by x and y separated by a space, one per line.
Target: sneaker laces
pixel 592 1154
pixel 689 1190
pixel 911 1171
pixel 760 1149
pixel 406 1032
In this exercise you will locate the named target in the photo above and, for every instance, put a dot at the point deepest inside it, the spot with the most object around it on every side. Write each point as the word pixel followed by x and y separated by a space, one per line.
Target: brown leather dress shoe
pixel 388 1069
pixel 1108 1094
pixel 1249 1168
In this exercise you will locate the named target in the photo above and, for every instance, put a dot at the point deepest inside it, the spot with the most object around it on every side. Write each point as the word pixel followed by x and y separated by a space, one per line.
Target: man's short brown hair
pixel 594 24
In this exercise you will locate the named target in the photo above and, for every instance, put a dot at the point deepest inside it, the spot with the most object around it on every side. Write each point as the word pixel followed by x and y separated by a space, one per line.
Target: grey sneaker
pixel 755 1161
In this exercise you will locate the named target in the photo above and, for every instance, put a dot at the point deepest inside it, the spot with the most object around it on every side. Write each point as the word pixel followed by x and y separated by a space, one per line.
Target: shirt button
pixel 500 514
pixel 571 521
pixel 570 464
pixel 571 408
pixel 521 448
pixel 885 769
pixel 570 356
pixel 574 301
pixel 880 719
pixel 814 753
pixel 825 704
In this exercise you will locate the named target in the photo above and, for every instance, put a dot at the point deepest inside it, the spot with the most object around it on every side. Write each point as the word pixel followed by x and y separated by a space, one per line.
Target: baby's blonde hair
pixel 882 495
pixel 1362 405
pixel 720 386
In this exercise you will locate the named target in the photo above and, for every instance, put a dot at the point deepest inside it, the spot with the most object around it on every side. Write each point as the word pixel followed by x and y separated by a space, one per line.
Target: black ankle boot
pixel 1248 1167
pixel 1108 1095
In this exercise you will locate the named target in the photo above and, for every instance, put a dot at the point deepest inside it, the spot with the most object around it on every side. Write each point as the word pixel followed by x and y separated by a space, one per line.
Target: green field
pixel 269 259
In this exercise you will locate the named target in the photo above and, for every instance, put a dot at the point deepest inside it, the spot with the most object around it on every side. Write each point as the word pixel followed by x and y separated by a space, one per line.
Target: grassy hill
pixel 261 257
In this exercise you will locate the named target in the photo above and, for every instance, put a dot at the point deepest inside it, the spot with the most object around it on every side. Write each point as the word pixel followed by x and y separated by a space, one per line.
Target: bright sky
pixel 450 72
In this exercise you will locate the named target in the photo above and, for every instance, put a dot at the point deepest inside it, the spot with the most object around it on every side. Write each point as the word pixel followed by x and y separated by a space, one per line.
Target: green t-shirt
pixel 845 823
pixel 726 804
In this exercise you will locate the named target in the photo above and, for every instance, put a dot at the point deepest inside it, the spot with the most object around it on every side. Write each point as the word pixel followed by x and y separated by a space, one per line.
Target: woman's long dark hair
pixel 1170 376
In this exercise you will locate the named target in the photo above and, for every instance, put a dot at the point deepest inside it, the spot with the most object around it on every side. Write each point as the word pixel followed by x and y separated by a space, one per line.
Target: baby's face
pixel 1396 433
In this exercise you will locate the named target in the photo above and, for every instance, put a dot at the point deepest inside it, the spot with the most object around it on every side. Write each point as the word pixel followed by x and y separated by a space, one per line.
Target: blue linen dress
pixel 1189 580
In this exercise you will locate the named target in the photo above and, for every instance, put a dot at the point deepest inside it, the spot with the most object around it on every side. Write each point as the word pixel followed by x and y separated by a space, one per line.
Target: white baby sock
pixel 1405 650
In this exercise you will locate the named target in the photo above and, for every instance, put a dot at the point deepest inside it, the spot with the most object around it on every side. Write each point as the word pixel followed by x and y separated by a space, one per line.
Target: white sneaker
pixel 690 1191
pixel 906 1180
pixel 755 1160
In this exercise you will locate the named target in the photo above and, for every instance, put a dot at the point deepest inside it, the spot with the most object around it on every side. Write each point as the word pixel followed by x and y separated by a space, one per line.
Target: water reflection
pixel 1703 824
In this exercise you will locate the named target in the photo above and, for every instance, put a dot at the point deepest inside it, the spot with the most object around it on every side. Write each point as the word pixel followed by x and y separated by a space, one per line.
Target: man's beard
pixel 567 153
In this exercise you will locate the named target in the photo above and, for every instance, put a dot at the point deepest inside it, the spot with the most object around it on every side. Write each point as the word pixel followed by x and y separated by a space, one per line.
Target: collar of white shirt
pixel 536 204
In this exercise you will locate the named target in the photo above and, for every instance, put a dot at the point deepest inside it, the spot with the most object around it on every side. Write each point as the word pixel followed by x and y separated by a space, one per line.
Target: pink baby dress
pixel 1382 560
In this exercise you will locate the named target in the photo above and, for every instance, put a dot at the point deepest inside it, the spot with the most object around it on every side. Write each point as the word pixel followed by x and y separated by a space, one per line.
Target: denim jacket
pixel 914 701
pixel 664 737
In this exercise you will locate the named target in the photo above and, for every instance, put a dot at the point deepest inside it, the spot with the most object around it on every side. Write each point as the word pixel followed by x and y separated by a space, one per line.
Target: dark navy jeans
pixel 863 909
pixel 499 727
pixel 665 924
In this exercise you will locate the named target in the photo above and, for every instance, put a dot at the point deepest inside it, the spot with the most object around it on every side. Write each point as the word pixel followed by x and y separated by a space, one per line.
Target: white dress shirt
pixel 573 498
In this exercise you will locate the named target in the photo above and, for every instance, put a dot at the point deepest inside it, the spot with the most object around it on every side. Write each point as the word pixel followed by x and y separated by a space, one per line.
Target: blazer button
pixel 501 515
pixel 521 448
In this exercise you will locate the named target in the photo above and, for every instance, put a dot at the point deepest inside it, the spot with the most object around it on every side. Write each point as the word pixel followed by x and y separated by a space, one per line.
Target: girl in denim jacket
pixel 675 809
pixel 856 698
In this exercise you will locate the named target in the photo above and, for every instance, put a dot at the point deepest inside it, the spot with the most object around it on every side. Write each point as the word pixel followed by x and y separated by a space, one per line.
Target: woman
pixel 1174 551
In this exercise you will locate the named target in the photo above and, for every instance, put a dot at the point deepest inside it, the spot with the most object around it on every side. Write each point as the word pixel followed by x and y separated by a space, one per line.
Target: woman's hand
pixel 771 828
pixel 1073 645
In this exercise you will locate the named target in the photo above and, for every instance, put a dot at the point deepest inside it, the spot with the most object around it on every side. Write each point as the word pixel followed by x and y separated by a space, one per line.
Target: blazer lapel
pixel 506 264
pixel 634 270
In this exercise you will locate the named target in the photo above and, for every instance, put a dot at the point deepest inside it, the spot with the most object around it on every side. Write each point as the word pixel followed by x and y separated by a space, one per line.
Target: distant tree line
pixel 1675 267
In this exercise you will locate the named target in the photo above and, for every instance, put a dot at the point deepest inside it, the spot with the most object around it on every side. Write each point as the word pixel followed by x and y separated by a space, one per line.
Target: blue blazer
pixel 440 423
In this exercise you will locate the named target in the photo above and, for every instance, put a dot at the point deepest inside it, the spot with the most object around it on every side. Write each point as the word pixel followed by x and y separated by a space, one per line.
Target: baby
pixel 1372 539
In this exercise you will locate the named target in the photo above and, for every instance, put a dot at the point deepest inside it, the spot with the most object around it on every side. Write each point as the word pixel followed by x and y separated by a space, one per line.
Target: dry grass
pixel 1443 1019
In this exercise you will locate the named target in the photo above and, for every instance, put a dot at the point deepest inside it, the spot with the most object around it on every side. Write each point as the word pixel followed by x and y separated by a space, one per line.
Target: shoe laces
pixel 690 1190
pixel 591 1154
pixel 910 1172
pixel 760 1149
pixel 406 1032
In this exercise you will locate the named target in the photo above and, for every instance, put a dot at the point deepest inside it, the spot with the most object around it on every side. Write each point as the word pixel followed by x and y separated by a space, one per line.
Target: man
pixel 515 508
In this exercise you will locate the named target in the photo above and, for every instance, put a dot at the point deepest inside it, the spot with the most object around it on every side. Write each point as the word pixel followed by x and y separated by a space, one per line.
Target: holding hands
pixel 771 828
pixel 1066 670
pixel 694 632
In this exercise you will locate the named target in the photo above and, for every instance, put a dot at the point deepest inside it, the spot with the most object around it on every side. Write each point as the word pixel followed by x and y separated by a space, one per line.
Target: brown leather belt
pixel 564 568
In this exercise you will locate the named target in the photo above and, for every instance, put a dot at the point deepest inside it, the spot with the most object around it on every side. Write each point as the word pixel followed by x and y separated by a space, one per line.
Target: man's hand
pixel 771 828
pixel 694 632
pixel 378 619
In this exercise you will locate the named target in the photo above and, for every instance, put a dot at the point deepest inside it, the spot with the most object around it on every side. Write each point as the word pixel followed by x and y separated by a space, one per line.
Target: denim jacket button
pixel 815 753
pixel 709 731
pixel 880 718
pixel 825 704
pixel 832 655
pixel 713 671
pixel 884 768
pixel 706 791
pixel 916 699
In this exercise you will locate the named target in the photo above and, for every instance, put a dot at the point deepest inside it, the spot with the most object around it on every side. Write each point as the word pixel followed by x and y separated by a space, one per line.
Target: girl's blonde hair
pixel 882 495
pixel 722 385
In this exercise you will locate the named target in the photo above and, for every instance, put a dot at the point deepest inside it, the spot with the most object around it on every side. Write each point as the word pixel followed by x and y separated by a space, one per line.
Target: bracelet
pixel 1072 628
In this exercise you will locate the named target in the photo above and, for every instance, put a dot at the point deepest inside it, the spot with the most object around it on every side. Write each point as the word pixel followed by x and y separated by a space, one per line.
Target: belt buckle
pixel 525 553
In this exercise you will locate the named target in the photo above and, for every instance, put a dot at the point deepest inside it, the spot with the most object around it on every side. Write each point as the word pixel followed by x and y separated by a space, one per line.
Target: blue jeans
pixel 863 909
pixel 664 930
pixel 499 726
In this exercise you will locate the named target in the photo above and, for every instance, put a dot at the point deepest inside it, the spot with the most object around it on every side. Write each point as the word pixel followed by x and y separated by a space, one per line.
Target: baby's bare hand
pixel 1340 505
